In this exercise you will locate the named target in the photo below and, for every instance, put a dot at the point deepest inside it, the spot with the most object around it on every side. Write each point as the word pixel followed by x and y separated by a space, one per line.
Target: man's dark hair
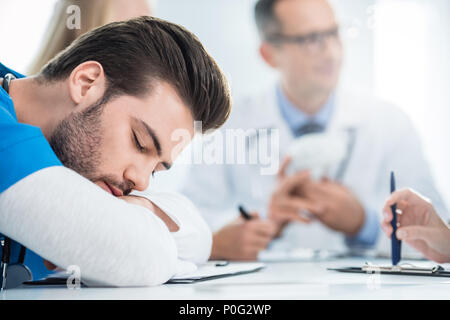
pixel 266 19
pixel 136 53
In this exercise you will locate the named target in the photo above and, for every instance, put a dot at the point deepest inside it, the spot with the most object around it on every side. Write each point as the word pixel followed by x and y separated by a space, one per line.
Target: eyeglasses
pixel 314 42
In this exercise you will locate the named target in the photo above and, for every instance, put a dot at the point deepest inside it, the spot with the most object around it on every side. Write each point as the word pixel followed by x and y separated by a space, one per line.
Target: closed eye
pixel 138 145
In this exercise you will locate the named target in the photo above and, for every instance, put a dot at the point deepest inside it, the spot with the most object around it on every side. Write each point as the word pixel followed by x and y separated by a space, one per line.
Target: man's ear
pixel 87 83
pixel 267 52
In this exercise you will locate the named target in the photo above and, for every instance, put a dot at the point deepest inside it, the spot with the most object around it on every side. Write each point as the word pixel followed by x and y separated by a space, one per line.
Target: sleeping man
pixel 80 140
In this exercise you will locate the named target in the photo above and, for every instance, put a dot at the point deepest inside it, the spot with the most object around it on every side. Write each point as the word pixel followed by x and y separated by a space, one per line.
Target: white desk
pixel 288 280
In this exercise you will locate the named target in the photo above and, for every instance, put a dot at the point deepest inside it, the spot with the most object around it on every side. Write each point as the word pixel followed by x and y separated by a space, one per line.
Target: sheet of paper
pixel 298 254
pixel 210 270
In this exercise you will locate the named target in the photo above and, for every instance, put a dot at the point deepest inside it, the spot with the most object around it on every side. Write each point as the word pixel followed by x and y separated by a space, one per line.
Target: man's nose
pixel 139 177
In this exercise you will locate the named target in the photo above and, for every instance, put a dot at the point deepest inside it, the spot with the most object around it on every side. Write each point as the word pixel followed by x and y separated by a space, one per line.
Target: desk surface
pixel 287 280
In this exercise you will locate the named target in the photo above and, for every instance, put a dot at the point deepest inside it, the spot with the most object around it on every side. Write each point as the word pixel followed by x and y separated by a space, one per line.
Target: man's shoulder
pixel 12 131
pixel 23 148
pixel 369 106
pixel 264 96
pixel 253 110
pixel 6 115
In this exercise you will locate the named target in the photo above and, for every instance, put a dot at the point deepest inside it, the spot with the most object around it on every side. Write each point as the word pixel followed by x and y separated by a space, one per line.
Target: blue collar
pixel 296 118
pixel 5 99
pixel 4 70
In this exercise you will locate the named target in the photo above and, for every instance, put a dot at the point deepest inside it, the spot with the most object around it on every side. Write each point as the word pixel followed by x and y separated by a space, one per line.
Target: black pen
pixel 223 263
pixel 244 213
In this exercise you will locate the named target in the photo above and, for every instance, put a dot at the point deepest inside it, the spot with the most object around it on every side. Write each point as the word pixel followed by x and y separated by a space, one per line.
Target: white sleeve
pixel 68 220
pixel 194 238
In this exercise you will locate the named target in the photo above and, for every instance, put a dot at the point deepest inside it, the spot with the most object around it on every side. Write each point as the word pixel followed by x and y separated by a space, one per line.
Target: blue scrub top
pixel 23 150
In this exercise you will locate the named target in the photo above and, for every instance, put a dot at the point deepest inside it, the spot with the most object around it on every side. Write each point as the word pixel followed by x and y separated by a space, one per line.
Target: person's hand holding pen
pixel 419 225
pixel 243 238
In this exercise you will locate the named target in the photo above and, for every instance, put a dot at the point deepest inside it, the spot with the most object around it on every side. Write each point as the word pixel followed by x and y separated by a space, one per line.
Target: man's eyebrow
pixel 155 139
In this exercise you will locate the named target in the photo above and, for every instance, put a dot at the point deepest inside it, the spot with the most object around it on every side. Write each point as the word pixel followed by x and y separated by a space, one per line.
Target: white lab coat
pixel 385 141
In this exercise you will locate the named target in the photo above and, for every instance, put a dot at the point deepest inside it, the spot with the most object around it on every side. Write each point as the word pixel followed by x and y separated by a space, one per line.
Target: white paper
pixel 210 270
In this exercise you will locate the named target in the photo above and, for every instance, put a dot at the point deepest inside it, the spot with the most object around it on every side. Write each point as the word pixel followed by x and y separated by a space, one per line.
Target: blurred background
pixel 396 49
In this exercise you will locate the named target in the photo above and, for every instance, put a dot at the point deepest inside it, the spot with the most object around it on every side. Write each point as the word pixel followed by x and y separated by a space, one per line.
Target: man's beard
pixel 76 142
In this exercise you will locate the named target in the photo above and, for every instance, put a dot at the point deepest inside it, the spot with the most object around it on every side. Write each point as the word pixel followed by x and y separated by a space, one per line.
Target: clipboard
pixel 213 270
pixel 50 281
pixel 402 269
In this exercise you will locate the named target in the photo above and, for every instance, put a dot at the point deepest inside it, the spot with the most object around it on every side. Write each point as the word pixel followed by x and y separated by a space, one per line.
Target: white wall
pixel 22 26
pixel 412 69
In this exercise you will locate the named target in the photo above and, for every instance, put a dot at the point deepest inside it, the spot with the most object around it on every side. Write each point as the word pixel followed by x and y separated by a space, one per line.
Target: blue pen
pixel 396 244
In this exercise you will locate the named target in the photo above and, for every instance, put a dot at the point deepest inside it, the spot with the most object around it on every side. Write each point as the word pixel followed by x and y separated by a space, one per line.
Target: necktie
pixel 309 127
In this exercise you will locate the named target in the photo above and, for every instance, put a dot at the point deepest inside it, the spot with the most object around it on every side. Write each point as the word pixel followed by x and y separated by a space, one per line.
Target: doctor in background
pixel 300 39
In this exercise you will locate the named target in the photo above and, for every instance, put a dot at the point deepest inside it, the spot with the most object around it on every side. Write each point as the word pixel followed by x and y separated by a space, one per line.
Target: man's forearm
pixel 70 221
pixel 368 234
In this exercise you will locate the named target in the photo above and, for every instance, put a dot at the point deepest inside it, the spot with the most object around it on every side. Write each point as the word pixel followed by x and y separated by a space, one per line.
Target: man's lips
pixel 115 191
pixel 109 188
